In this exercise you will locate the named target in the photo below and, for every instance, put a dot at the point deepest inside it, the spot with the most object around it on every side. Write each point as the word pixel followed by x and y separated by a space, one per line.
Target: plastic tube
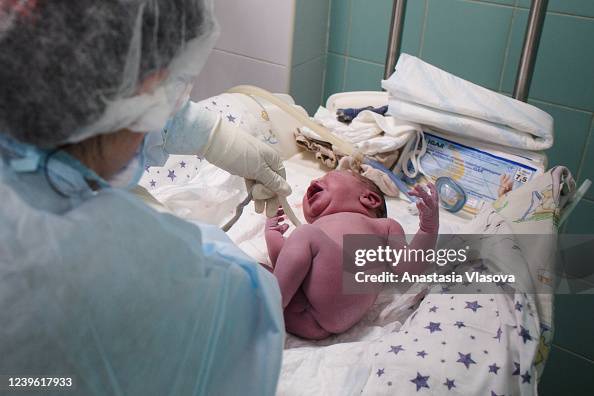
pixel 238 212
pixel 395 179
pixel 345 147
pixel 259 92
pixel 289 212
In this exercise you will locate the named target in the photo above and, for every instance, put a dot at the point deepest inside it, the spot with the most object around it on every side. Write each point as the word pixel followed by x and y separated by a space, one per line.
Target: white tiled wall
pixel 224 70
pixel 307 83
pixel 260 29
pixel 311 30
pixel 279 45
pixel 309 52
pixel 255 47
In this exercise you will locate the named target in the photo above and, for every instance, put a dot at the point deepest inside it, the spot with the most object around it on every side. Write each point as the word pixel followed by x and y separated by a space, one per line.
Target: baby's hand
pixel 276 223
pixel 428 206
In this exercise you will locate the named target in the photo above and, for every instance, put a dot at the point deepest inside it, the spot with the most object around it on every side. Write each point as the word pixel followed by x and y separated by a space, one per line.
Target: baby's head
pixel 343 191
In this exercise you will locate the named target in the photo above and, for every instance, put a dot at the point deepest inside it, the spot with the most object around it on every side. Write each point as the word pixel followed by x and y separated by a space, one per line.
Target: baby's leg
pixel 297 257
pixel 312 261
pixel 300 321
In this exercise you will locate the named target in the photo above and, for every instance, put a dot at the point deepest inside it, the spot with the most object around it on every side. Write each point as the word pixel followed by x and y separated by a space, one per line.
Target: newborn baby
pixel 308 264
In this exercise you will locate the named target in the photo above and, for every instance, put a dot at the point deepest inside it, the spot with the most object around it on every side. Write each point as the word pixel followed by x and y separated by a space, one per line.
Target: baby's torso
pixel 339 224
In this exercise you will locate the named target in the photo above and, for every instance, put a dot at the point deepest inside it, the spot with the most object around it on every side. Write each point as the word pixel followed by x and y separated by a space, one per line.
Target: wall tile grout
pixel 584 153
pixel 559 13
pixel 575 354
pixel 309 60
pixel 337 54
pixel 252 58
pixel 325 69
pixel 560 105
pixel 522 7
pixel 489 3
pixel 507 48
pixel 359 59
pixel 424 28
pixel 347 45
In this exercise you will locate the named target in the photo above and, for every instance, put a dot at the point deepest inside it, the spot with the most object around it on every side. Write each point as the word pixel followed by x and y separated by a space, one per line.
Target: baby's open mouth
pixel 313 190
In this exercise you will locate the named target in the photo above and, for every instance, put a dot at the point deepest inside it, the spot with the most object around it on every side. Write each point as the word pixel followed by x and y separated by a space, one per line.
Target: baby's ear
pixel 370 199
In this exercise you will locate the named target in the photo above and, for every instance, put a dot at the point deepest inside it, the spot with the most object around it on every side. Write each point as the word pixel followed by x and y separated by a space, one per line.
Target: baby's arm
pixel 428 206
pixel 273 234
pixel 422 240
pixel 426 237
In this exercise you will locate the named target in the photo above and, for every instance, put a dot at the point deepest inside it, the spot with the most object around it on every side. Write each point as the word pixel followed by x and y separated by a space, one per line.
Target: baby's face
pixel 337 191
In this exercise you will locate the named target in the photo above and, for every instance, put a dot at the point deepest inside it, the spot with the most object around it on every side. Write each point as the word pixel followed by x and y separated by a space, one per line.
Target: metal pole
pixel 395 40
pixel 538 10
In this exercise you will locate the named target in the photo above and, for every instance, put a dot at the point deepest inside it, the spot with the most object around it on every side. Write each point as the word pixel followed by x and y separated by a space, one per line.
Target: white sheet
pixel 347 363
pixel 474 343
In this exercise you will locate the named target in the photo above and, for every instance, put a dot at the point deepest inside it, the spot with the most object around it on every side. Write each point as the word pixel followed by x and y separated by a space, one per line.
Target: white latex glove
pixel 241 154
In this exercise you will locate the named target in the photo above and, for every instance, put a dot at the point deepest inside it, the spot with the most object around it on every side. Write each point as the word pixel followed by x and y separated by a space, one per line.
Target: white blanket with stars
pixel 459 342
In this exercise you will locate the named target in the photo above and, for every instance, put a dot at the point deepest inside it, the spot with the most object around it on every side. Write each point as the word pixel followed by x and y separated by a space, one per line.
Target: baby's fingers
pixel 429 200
pixel 417 192
pixel 271 223
pixel 422 207
pixel 422 193
pixel 434 194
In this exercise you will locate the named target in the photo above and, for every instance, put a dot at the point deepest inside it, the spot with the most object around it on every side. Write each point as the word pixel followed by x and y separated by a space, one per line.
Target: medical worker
pixel 96 287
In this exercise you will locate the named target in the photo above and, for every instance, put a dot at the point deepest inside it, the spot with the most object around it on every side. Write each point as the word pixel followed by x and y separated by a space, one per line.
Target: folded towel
pixel 424 94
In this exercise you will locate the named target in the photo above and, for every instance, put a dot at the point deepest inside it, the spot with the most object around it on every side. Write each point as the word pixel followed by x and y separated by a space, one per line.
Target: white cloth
pixel 422 93
pixel 370 132
pixel 184 180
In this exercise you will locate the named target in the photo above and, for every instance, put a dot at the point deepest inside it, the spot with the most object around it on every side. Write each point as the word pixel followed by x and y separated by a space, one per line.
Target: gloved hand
pixel 241 154
pixel 428 206
pixel 264 199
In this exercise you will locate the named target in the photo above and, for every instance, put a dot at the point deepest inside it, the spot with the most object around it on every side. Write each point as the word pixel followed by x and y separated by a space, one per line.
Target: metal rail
pixel 395 40
pixel 538 10
pixel 536 19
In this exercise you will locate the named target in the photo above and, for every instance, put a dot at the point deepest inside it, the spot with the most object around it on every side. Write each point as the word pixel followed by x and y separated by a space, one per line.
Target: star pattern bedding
pixel 412 343
pixel 455 340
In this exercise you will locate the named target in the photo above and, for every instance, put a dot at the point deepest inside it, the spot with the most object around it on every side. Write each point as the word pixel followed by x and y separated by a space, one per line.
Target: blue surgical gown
pixel 128 301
